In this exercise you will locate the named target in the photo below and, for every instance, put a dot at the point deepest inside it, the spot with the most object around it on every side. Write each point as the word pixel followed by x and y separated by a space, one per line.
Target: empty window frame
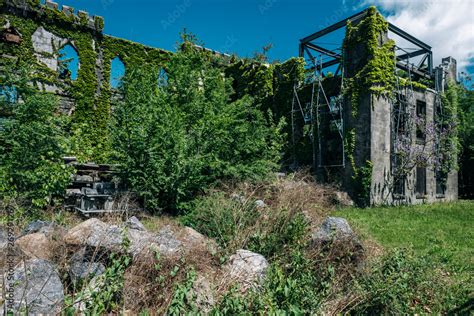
pixel 399 186
pixel 400 115
pixel 441 179
pixel 421 120
pixel 420 187
pixel 117 71
pixel 68 62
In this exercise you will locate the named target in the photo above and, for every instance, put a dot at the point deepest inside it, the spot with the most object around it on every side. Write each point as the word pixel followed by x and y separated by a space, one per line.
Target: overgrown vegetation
pixel 176 138
pixel 466 140
pixel 203 143
pixel 32 142
pixel 307 280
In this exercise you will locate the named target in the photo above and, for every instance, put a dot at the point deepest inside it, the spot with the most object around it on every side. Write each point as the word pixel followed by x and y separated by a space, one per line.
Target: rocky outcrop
pixel 37 289
pixel 247 269
pixel 202 294
pixel 333 228
pixel 193 240
pixel 39 227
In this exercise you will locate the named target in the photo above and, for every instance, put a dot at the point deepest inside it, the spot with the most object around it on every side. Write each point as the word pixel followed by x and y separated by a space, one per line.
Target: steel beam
pixel 334 27
pixel 322 50
pixel 413 70
pixel 408 37
pixel 326 64
pixel 412 54
pixel 423 60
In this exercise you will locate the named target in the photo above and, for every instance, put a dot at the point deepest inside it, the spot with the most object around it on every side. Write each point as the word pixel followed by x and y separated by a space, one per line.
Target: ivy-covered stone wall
pixel 372 90
pixel 43 30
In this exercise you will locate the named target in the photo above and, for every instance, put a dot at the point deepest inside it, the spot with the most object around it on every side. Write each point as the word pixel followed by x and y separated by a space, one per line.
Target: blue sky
pixel 245 26
pixel 232 26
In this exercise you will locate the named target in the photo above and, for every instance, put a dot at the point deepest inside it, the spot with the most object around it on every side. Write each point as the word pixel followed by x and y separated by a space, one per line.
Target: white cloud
pixel 446 25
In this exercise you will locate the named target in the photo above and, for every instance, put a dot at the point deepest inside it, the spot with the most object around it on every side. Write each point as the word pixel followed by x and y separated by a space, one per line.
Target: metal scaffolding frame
pixel 312 113
pixel 423 69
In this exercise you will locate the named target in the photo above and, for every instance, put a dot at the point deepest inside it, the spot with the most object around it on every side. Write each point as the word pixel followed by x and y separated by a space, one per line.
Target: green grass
pixel 443 231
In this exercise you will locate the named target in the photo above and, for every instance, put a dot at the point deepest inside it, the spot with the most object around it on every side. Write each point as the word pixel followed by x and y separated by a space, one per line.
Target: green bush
pixel 237 223
pixel 220 217
pixel 401 283
pixel 173 138
pixel 31 148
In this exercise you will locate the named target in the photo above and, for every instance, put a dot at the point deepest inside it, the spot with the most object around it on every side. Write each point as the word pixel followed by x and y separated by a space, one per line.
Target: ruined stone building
pixel 357 124
pixel 380 121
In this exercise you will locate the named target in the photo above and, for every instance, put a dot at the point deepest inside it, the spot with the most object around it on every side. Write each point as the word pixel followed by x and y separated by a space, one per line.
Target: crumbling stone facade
pixel 374 139
pixel 33 33
pixel 43 29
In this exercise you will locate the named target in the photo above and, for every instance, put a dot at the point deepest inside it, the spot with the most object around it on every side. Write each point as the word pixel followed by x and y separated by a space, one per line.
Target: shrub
pixel 400 283
pixel 173 139
pixel 31 148
pixel 237 223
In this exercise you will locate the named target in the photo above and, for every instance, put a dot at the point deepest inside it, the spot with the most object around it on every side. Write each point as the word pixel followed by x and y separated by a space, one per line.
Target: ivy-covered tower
pixel 392 123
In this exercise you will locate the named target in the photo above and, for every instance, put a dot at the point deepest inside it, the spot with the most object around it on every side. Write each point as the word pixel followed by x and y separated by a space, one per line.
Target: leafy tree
pixel 174 138
pixel 31 144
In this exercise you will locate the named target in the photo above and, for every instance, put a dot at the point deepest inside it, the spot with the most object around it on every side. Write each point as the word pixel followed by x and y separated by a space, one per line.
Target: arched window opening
pixel 162 78
pixel 68 62
pixel 117 71
pixel 8 95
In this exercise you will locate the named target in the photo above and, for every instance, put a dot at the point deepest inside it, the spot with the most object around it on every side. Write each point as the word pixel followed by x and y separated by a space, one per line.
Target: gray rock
pixel 260 204
pixel 38 226
pixel 342 199
pixel 83 270
pixel 96 234
pixel 134 223
pixel 202 294
pixel 37 289
pixel 12 253
pixel 247 268
pixel 336 234
pixel 3 237
pixel 82 266
pixel 333 228
pixel 168 244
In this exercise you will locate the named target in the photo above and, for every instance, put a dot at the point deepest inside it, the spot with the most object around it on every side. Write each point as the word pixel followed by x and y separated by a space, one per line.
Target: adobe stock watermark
pixel 266 6
pixel 9 291
pixel 174 15
pixel 335 17
pixel 230 41
pixel 106 3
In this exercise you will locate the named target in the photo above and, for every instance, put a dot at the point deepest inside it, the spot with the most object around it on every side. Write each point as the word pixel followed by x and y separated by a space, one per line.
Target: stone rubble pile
pixel 39 287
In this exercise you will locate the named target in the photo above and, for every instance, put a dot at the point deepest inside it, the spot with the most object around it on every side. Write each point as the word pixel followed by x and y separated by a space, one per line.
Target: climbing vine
pixel 377 73
pixel 373 75
pixel 270 84
pixel 88 126
pixel 448 129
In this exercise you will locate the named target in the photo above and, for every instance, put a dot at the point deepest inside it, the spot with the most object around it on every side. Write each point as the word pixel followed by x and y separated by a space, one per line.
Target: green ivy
pixel 89 124
pixel 271 85
pixel 377 75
